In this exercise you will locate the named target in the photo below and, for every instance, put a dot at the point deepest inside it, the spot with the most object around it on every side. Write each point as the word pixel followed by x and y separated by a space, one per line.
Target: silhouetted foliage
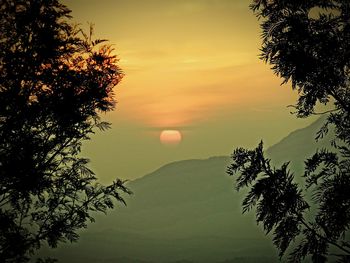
pixel 307 42
pixel 54 82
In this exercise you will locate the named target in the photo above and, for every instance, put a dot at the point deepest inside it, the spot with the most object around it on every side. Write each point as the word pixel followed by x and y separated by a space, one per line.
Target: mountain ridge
pixel 308 134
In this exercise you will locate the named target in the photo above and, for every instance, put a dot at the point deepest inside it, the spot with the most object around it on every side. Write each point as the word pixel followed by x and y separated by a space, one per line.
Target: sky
pixel 191 66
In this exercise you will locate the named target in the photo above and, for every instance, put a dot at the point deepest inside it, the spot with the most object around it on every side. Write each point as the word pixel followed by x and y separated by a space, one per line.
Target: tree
pixel 307 42
pixel 55 81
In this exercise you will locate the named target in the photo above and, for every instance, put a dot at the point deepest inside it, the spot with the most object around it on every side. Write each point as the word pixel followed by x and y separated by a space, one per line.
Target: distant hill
pixel 299 144
pixel 187 211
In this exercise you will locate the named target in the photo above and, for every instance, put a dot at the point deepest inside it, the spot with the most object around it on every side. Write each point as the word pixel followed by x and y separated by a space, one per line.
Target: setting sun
pixel 171 137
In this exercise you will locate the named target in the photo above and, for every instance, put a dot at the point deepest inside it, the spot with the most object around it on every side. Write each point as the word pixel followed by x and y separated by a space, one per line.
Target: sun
pixel 170 137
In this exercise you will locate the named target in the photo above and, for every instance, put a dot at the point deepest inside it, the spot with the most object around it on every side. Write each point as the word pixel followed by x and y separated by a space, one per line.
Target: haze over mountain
pixel 187 210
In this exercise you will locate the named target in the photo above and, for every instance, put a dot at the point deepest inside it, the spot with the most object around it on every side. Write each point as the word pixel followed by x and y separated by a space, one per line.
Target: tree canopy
pixel 55 80
pixel 307 43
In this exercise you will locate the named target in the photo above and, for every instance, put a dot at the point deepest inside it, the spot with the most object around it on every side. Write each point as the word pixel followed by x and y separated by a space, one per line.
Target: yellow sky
pixel 190 65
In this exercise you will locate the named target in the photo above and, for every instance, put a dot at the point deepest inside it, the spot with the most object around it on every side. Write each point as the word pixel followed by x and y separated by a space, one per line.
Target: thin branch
pixel 343 104
pixel 314 113
pixel 58 151
pixel 324 112
pixel 325 238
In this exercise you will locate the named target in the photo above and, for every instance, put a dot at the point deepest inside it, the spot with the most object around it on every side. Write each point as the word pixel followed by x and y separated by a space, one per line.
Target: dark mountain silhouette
pixel 187 210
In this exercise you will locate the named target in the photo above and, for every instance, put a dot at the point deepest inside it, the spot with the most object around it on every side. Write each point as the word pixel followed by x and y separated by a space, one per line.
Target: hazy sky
pixel 190 65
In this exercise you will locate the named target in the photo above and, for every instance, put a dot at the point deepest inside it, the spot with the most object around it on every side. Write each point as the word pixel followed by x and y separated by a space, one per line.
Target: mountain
pixel 186 211
pixel 299 144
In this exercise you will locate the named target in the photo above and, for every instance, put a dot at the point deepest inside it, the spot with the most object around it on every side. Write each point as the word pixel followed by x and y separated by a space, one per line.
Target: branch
pixel 324 112
pixel 39 236
pixel 58 151
pixel 314 113
pixel 325 238
pixel 343 104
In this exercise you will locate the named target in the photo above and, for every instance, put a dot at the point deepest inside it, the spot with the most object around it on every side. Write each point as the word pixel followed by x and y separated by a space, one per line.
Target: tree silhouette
pixel 308 44
pixel 54 83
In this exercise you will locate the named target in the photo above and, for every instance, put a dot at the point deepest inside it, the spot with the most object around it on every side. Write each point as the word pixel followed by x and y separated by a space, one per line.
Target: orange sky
pixel 190 65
